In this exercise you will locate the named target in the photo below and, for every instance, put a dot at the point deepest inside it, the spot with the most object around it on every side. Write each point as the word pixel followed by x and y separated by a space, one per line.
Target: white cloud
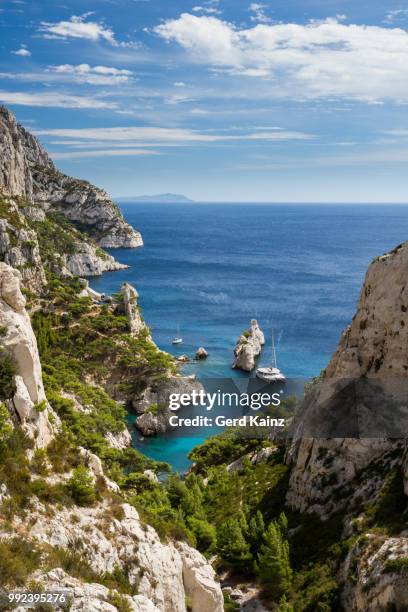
pixel 156 135
pixel 22 52
pixel 77 27
pixel 259 14
pixel 318 59
pixel 94 75
pixel 397 132
pixel 179 84
pixel 103 153
pixel 50 99
pixel 208 10
pixel 396 15
pixel 199 111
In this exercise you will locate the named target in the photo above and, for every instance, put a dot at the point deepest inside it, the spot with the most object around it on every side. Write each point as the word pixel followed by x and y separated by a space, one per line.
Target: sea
pixel 206 270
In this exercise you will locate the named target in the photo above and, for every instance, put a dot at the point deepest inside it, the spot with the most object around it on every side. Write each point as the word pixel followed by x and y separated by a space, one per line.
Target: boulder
pixel 201 354
pixel 248 348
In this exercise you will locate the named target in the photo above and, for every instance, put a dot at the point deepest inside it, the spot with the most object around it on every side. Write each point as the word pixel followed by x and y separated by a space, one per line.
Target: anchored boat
pixel 178 339
pixel 273 373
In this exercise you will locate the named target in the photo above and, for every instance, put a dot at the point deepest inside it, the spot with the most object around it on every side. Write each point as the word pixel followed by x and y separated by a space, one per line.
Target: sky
pixel 220 100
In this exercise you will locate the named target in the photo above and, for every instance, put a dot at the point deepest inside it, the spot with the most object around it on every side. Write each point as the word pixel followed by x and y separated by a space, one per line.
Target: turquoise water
pixel 210 268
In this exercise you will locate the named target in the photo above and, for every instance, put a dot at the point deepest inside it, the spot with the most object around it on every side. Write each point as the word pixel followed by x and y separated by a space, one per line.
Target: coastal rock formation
pixel 27 171
pixel 120 440
pixel 183 359
pixel 153 406
pixel 130 296
pixel 29 405
pixel 15 174
pixel 87 260
pixel 374 344
pixel 248 347
pixel 165 573
pixel 201 354
pixel 373 348
pixel 19 245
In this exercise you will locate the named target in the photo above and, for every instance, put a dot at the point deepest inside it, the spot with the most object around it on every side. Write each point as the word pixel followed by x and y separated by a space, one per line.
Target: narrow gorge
pixel 314 520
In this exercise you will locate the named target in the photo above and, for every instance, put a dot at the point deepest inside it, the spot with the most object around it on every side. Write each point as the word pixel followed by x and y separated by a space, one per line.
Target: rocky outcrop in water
pixel 248 347
pixel 28 406
pixel 201 354
pixel 153 406
pixel 129 297
pixel 26 170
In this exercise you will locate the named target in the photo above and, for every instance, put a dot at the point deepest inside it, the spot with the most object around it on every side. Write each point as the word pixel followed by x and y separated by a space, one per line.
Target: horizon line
pixel 283 202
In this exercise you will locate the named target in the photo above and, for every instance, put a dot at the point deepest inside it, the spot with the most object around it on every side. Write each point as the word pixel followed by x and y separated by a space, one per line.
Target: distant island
pixel 166 198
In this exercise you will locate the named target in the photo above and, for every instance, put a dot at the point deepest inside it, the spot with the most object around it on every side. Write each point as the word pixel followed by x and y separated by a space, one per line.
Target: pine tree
pixel 232 545
pixel 256 529
pixel 284 605
pixel 273 565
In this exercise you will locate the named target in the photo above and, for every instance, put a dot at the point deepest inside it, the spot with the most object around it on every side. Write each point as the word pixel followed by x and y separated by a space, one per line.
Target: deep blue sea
pixel 209 268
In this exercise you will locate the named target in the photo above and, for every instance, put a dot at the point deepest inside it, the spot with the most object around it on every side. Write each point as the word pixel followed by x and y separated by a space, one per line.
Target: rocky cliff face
pixel 166 573
pixel 372 348
pixel 338 469
pixel 19 244
pixel 248 348
pixel 153 406
pixel 375 343
pixel 29 406
pixel 26 170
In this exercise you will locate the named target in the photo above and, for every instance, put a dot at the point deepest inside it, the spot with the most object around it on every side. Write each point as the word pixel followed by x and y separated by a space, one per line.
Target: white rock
pixel 165 572
pixel 130 297
pixel 248 347
pixel 20 343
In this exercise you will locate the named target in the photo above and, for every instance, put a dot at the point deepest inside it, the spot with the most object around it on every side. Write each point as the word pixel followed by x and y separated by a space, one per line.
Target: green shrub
pixel 119 602
pixel 396 565
pixel 81 487
pixel 7 372
pixel 40 406
pixel 18 559
pixel 205 534
pixel 6 429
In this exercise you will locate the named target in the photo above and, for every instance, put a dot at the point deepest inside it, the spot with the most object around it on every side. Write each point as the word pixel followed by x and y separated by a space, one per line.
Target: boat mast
pixel 274 360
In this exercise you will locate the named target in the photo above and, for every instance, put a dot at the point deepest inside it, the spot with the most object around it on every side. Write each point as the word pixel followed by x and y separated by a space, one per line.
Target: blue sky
pixel 220 99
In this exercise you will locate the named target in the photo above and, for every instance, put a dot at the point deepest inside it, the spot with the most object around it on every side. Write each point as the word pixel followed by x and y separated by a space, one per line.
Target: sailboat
pixel 272 374
pixel 178 339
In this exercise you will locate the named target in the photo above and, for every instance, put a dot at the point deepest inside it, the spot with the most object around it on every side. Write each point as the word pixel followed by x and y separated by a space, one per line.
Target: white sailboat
pixel 272 374
pixel 178 339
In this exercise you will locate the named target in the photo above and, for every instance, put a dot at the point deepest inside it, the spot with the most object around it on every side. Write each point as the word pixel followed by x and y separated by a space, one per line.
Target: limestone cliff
pixel 109 558
pixel 166 573
pixel 28 405
pixel 248 348
pixel 372 348
pixel 349 441
pixel 26 170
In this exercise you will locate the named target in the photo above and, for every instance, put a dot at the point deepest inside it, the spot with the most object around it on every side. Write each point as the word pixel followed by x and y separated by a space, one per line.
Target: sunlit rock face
pixel 29 405
pixel 27 171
